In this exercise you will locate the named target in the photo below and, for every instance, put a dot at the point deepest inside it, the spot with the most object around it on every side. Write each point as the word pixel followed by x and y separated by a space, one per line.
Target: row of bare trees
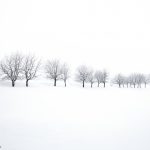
pixel 86 75
pixel 18 66
pixel 133 80
pixel 57 71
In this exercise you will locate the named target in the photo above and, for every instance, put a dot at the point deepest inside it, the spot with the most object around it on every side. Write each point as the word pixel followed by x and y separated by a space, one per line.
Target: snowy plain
pixel 104 34
pixel 72 118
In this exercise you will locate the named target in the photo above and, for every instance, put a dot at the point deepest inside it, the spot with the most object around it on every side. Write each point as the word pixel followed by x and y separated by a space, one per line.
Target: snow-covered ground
pixel 101 34
pixel 57 118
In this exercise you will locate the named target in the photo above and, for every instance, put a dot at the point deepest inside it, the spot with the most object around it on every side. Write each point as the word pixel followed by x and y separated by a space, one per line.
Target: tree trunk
pixel 65 84
pixel 54 82
pixel 119 85
pixel 134 85
pixel 27 83
pixel 91 85
pixel 104 84
pixel 13 83
pixel 83 84
pixel 145 85
pixel 98 84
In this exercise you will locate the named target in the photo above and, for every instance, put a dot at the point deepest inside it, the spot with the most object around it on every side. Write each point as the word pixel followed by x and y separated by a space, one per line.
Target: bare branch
pixel 91 78
pixel 82 74
pixel 53 70
pixel 30 67
pixel 65 73
pixel 119 79
pixel 11 67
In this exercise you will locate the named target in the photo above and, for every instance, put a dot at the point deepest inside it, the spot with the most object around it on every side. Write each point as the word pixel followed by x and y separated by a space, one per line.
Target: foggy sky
pixel 101 33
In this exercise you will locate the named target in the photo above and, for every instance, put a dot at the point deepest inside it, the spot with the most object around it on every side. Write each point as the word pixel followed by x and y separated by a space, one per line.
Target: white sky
pixel 111 34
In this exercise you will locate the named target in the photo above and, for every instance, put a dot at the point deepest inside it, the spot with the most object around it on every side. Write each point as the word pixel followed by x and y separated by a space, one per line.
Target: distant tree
pixel 11 67
pixel 30 67
pixel 91 78
pixel 146 80
pixel 139 79
pixel 82 74
pixel 98 77
pixel 133 79
pixel 126 81
pixel 104 77
pixel 65 73
pixel 118 79
pixel 53 70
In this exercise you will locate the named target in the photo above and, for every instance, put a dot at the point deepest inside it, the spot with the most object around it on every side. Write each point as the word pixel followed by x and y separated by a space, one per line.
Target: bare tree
pixel 98 76
pixel 118 79
pixel 91 78
pixel 65 73
pixel 133 80
pixel 82 74
pixel 53 70
pixel 104 77
pixel 30 67
pixel 146 80
pixel 126 81
pixel 130 80
pixel 139 79
pixel 11 67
